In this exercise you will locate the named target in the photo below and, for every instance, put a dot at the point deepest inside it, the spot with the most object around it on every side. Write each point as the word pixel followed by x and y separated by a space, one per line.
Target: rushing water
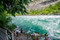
pixel 41 24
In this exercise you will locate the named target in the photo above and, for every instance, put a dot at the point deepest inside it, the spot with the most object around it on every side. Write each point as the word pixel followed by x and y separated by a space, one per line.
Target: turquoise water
pixel 41 24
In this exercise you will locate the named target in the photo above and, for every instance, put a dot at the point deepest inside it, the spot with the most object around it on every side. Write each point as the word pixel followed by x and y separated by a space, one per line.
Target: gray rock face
pixel 40 4
pixel 3 35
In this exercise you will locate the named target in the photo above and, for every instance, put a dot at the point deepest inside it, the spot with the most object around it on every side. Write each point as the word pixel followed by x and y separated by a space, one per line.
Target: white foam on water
pixel 51 25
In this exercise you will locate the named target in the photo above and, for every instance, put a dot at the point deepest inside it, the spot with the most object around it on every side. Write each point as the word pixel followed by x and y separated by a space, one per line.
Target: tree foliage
pixel 4 21
pixel 12 27
pixel 12 6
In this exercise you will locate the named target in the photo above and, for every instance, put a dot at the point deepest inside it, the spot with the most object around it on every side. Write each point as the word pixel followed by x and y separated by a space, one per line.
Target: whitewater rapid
pixel 41 24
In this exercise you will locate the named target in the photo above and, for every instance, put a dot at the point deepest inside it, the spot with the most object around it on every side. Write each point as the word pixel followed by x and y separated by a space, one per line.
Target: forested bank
pixel 50 10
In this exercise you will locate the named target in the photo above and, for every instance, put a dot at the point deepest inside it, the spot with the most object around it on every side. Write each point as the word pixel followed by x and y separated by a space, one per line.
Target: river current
pixel 40 24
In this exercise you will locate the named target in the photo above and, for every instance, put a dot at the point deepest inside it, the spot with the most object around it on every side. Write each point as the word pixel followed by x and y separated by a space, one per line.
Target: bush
pixel 11 27
pixel 4 21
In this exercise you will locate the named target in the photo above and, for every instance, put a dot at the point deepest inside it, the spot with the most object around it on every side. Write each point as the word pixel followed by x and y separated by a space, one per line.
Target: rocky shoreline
pixel 40 4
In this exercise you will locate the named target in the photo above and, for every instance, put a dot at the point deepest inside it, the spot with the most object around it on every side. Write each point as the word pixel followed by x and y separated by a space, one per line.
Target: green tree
pixel 13 6
pixel 4 21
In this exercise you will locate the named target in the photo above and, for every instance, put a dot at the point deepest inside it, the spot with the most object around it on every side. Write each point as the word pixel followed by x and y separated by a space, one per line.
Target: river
pixel 40 24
